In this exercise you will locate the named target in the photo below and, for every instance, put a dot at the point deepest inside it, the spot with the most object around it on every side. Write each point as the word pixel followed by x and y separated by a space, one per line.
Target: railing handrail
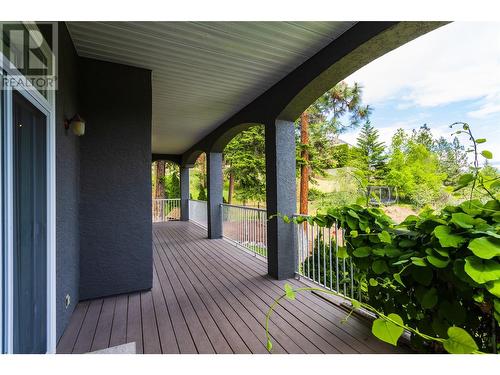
pixel 197 200
pixel 246 227
pixel 318 260
pixel 244 207
pixel 165 209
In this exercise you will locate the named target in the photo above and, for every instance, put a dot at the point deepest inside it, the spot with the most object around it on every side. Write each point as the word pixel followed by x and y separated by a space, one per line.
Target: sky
pixel 448 75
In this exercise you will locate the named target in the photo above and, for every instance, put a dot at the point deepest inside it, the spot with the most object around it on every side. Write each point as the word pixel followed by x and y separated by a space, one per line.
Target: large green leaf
pixel 430 299
pixel 406 243
pixel 437 261
pixel 384 236
pixel 487 154
pixel 379 267
pixel 463 220
pixel 362 252
pixel 418 261
pixel 463 181
pixel 484 247
pixel 446 238
pixel 342 252
pixel 397 277
pixel 388 331
pixel 459 342
pixel 494 288
pixel 482 271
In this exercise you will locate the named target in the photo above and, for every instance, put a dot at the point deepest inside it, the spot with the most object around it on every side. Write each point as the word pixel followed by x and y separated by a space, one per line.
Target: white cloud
pixel 488 107
pixel 459 61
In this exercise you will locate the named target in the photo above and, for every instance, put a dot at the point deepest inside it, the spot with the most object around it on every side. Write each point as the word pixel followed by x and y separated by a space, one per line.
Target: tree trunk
pixel 203 170
pixel 160 180
pixel 231 188
pixel 304 169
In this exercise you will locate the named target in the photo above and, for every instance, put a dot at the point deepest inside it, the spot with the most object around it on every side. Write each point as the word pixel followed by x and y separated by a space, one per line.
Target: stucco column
pixel 184 182
pixel 281 198
pixel 214 194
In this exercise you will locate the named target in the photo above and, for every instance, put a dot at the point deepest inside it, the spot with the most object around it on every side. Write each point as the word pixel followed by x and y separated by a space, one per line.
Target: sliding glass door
pixel 29 227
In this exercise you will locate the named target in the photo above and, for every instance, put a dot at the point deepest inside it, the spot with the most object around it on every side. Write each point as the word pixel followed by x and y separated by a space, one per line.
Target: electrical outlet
pixel 67 300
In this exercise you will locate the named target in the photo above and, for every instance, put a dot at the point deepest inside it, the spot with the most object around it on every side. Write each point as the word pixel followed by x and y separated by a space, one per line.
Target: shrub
pixel 435 270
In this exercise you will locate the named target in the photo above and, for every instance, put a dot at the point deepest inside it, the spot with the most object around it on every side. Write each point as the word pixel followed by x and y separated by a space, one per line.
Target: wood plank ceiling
pixel 203 72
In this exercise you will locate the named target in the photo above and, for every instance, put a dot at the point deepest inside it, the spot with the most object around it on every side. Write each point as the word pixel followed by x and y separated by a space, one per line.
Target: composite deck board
pixel 209 296
pixel 86 337
pixel 68 339
pixel 150 337
pixel 119 324
pixel 258 311
pixel 247 325
pixel 182 333
pixel 338 328
pixel 240 335
pixel 105 322
pixel 134 321
pixel 166 332
pixel 310 304
pixel 315 333
pixel 198 332
pixel 296 331
pixel 195 305
pixel 234 342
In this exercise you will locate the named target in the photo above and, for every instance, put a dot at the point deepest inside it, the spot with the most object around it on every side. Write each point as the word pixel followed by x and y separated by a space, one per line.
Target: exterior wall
pixel 115 180
pixel 67 183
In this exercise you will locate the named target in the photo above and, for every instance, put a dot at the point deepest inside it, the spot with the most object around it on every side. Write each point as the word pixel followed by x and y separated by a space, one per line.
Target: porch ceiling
pixel 203 72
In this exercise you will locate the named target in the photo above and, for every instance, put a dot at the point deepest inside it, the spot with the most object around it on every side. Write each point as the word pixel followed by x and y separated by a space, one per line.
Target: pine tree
pixel 452 159
pixel 371 152
pixel 245 163
pixel 336 111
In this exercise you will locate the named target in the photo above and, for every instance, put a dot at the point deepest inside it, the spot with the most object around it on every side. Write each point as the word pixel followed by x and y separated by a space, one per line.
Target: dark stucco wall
pixel 67 183
pixel 115 178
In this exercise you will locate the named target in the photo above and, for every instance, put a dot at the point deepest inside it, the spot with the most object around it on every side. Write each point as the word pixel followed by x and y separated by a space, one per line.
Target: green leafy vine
pixel 388 328
pixel 436 275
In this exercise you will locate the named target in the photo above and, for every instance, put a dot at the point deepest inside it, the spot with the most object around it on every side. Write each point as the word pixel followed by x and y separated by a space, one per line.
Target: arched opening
pixel 245 168
pixel 198 178
pixel 244 216
pixel 165 184
pixel 198 190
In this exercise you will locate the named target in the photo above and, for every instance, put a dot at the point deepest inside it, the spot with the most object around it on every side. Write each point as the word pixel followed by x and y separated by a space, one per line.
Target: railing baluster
pixel 246 226
pixel 165 210
pixel 312 246
pixel 330 255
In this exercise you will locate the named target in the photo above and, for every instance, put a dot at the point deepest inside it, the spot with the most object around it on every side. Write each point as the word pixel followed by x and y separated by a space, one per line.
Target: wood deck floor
pixel 210 297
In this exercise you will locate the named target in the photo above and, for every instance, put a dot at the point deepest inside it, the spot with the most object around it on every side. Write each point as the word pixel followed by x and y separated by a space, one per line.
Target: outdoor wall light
pixel 76 123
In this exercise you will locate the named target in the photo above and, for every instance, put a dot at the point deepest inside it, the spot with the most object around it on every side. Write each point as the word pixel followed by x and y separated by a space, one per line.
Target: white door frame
pixel 47 107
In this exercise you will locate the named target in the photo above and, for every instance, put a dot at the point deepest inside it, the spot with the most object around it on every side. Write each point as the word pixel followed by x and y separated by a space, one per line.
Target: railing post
pixel 184 182
pixel 214 194
pixel 281 198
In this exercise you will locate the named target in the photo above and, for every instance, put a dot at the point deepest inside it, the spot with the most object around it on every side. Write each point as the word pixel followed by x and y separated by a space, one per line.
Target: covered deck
pixel 209 296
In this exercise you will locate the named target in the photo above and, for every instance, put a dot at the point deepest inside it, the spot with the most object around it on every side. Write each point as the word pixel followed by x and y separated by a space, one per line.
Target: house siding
pixel 115 180
pixel 67 183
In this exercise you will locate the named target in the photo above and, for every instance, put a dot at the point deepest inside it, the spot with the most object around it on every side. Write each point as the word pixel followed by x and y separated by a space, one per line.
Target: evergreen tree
pixel 423 136
pixel 336 111
pixel 452 159
pixel 370 153
pixel 245 163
